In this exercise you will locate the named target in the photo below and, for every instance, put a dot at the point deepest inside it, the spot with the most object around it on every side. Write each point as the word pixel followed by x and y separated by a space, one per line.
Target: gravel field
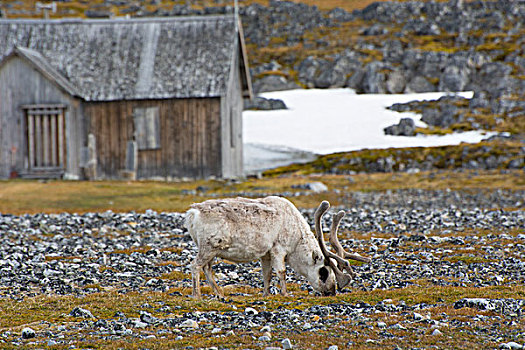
pixel 417 238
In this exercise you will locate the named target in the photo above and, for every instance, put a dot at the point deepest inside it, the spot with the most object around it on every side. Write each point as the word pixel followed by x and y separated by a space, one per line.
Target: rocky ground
pixel 448 268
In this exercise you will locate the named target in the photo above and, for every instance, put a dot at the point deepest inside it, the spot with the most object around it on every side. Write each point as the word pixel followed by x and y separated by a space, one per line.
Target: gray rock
pixel 273 83
pixel 307 69
pixel 511 345
pixel 419 84
pixel 28 333
pixel 454 79
pixel 374 79
pixel 148 318
pixel 437 333
pixel 82 313
pixel 287 344
pixel 250 311
pixel 417 316
pixel 355 80
pixel 432 117
pixel 375 29
pixel 316 186
pixel 395 82
pixel 264 104
pixel 405 127
pixel 189 323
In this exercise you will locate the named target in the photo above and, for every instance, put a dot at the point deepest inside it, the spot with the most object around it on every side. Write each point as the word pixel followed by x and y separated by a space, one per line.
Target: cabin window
pixel 45 136
pixel 147 128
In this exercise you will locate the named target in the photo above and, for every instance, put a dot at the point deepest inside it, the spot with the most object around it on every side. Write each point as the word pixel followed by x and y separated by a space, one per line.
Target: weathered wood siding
pixel 190 138
pixel 231 122
pixel 21 84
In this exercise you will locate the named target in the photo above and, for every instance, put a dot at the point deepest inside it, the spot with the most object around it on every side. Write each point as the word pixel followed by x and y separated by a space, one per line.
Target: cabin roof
pixel 153 58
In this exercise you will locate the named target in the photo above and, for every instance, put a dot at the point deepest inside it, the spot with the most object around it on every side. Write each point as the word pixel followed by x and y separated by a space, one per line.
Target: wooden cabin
pixel 110 99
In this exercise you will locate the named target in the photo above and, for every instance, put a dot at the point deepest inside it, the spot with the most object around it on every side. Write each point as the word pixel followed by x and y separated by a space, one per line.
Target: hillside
pixel 381 47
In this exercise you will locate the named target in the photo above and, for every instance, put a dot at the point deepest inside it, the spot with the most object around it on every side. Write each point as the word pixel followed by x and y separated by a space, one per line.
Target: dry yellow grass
pixel 19 196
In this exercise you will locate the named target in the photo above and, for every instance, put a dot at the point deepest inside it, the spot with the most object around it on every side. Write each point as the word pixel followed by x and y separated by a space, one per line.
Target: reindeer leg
pixel 201 260
pixel 266 264
pixel 280 267
pixel 195 274
pixel 208 272
pixel 282 279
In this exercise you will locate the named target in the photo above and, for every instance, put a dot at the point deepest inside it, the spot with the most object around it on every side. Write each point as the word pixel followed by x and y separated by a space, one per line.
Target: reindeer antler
pixel 334 241
pixel 342 278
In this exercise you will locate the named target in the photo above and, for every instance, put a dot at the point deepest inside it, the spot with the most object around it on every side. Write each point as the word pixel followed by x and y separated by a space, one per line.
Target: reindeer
pixel 270 229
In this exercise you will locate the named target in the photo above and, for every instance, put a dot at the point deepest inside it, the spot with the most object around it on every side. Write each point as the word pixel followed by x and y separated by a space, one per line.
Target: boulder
pixel 28 333
pixel 405 127
pixel 374 78
pixel 454 78
pixel 395 82
pixel 355 81
pixel 273 83
pixel 340 15
pixel 264 104
pixel 419 84
pixel 375 29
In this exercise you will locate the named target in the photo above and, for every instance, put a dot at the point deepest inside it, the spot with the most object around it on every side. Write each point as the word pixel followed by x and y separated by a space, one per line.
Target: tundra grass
pixel 32 196
pixel 47 313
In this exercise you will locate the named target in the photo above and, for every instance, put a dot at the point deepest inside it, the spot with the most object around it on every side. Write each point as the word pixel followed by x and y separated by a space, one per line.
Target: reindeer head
pixel 336 262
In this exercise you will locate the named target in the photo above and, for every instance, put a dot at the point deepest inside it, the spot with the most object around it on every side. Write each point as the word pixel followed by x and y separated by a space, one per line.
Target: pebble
pixel 264 338
pixel 35 263
pixel 250 311
pixel 287 344
pixel 28 333
pixel 189 324
pixel 79 312
pixel 418 316
pixel 437 332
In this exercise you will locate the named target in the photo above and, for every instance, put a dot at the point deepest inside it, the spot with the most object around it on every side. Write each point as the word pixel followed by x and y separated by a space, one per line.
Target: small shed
pixel 134 98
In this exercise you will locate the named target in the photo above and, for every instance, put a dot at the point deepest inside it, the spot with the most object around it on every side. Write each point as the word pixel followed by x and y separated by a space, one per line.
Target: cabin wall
pixel 189 138
pixel 231 123
pixel 21 84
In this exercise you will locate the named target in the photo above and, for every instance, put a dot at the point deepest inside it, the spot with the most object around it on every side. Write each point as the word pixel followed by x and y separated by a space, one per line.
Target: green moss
pixel 358 161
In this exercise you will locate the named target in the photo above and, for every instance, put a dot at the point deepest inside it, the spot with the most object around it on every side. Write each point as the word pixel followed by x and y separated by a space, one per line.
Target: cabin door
pixel 45 140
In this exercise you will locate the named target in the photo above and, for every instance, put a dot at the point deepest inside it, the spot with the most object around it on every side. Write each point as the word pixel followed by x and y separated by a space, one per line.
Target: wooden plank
pixel 61 138
pixel 196 139
pixel 38 141
pixel 201 112
pixel 46 146
pixel 54 155
pixel 31 140
pixel 33 111
pixel 110 140
pixel 59 106
pixel 105 125
pixel 213 137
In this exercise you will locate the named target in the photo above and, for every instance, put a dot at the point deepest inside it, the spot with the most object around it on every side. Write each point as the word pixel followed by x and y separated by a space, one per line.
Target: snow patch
pixel 334 120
